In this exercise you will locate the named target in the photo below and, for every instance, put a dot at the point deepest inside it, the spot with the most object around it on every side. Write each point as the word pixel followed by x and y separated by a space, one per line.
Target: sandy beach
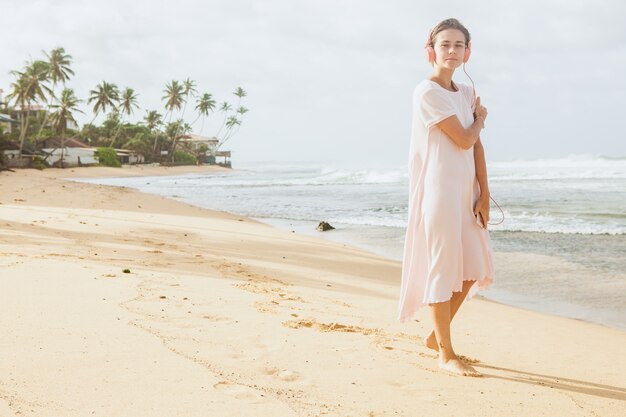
pixel 119 303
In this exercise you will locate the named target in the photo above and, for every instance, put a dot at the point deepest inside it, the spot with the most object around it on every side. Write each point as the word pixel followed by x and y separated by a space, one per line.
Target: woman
pixel 447 251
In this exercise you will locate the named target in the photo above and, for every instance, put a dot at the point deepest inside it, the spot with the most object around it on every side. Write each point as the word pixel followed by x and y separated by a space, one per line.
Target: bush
pixel 184 158
pixel 39 163
pixel 107 157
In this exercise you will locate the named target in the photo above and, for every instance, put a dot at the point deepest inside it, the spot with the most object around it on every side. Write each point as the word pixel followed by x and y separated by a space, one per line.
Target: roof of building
pixel 5 118
pixel 198 138
pixel 69 143
pixel 9 146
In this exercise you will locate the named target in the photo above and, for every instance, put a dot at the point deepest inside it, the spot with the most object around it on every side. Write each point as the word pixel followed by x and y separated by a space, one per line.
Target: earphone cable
pixel 473 103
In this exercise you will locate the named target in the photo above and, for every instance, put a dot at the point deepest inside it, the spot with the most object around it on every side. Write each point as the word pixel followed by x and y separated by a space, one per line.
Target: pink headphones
pixel 430 52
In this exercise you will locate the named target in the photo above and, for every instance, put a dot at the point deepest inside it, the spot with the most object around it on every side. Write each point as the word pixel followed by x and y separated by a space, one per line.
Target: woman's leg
pixel 457 299
pixel 448 360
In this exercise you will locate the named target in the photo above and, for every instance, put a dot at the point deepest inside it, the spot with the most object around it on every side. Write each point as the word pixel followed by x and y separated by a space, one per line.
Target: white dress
pixel 443 245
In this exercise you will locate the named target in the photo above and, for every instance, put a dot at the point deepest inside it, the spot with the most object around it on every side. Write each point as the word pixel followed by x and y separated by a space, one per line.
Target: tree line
pixel 43 83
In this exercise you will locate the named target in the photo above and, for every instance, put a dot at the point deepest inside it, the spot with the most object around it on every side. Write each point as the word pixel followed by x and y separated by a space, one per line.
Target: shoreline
pixel 554 267
pixel 221 313
pixel 526 302
pixel 503 297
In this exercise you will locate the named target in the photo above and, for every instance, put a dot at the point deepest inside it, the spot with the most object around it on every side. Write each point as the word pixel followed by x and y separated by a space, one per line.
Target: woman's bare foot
pixel 456 366
pixel 430 342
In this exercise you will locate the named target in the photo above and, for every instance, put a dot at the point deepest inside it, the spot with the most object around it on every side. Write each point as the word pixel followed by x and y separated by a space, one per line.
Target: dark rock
pixel 323 226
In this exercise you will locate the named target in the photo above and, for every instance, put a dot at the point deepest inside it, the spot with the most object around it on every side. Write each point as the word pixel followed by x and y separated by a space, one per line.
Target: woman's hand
pixel 481 111
pixel 482 209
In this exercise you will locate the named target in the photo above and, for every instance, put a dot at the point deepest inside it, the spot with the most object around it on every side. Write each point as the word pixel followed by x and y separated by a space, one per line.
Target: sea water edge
pixel 552 208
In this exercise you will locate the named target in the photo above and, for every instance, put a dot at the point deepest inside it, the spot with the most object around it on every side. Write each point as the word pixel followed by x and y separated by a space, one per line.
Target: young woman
pixel 447 251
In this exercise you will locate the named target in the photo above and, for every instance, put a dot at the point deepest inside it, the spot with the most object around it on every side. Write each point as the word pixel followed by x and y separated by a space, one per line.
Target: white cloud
pixel 334 79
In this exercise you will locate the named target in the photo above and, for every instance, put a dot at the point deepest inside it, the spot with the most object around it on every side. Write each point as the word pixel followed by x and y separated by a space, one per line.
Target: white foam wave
pixel 578 161
pixel 519 223
pixel 548 223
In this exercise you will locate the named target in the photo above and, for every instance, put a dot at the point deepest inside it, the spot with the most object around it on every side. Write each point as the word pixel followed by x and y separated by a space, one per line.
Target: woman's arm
pixel 482 205
pixel 481 167
pixel 465 138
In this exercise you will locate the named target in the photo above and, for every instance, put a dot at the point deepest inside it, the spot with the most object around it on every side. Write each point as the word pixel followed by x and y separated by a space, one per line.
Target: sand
pixel 217 314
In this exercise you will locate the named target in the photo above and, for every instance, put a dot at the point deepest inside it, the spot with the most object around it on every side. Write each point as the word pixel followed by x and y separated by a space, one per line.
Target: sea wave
pixel 519 223
pixel 558 224
pixel 557 176
pixel 570 161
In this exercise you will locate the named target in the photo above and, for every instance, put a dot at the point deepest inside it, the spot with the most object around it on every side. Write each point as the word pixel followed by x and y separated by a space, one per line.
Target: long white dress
pixel 443 245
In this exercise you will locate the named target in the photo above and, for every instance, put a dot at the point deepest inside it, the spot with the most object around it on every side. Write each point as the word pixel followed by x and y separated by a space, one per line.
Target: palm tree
pixel 173 97
pixel 171 131
pixel 204 105
pixel 128 102
pixel 59 71
pixel 67 105
pixel 19 94
pixel 189 89
pixel 30 87
pixel 242 110
pixel 230 133
pixel 240 92
pixel 230 125
pixel 104 95
pixel 226 108
pixel 153 120
pixel 59 63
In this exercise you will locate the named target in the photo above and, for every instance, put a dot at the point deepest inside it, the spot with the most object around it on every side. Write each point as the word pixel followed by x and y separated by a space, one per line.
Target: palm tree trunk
pixel 45 118
pixel 116 132
pixel 62 145
pixel 24 123
pixel 223 123
pixel 154 155
pixel 94 118
pixel 182 121
pixel 172 149
pixel 229 135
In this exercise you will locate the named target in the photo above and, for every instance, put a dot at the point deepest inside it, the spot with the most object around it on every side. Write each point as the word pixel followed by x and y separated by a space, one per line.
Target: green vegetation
pixel 107 157
pixel 39 163
pixel 45 109
pixel 184 158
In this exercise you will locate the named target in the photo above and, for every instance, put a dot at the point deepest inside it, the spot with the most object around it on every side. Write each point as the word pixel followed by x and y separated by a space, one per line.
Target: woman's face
pixel 449 46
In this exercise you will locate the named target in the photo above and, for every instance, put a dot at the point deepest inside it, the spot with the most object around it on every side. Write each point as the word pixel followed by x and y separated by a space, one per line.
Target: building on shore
pixel 225 162
pixel 74 153
pixel 206 149
pixel 197 142
pixel 5 122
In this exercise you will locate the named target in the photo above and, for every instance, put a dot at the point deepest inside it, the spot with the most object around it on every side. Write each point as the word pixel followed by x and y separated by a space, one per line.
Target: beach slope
pixel 118 303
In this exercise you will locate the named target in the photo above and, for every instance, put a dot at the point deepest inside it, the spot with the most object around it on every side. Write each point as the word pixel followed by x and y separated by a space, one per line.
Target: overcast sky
pixel 333 80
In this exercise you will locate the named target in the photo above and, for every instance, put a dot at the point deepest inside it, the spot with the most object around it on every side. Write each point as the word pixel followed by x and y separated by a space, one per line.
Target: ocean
pixel 561 248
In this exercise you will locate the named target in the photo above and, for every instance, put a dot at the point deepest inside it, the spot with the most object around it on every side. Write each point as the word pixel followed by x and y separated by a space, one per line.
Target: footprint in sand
pixel 331 327
pixel 288 375
pixel 223 385
pixel 239 391
pixel 216 318
pixel 283 375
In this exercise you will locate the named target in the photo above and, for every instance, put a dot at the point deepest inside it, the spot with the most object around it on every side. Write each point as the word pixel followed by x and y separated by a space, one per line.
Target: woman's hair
pixel 449 24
